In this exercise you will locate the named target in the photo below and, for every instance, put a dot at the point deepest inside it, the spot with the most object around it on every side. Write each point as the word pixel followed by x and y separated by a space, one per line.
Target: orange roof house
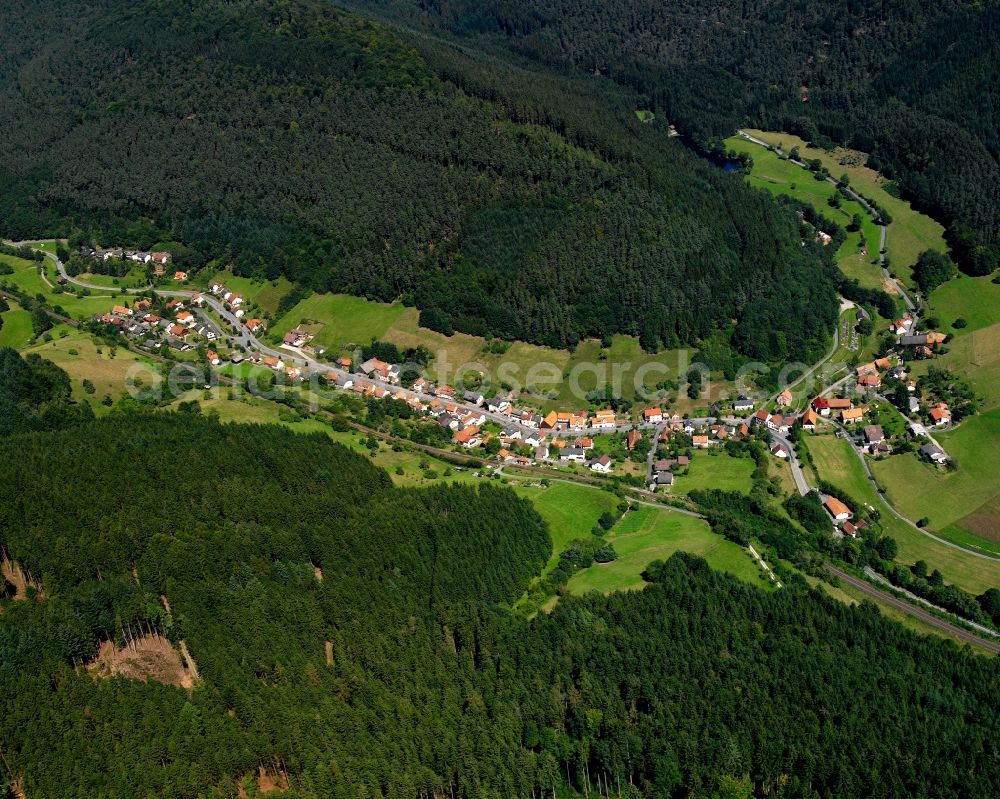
pixel 837 509
pixel 839 404
pixel 550 420
pixel 852 415
pixel 633 438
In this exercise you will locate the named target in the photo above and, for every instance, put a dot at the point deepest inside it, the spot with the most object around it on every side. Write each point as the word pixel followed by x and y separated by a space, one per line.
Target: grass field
pixel 783 177
pixel 135 278
pixel 28 280
pixel 975 299
pixel 78 355
pixel 910 232
pixel 837 464
pixel 570 510
pixel 16 330
pixel 265 293
pixel 715 471
pixel 48 246
pixel 647 534
pixel 966 499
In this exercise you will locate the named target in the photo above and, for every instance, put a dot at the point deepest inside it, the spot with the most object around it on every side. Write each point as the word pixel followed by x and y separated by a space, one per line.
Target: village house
pixel 381 370
pixel 837 509
pixel 549 421
pixel 902 326
pixel 934 453
pixel 295 338
pixel 779 423
pixel 665 479
pixel 185 318
pixel 601 464
pixel 700 442
pixel 216 287
pixel 742 403
pixel 914 340
pixel 179 275
pixel 633 438
pixel 872 381
pixel 473 420
pixel 779 451
pixel 468 438
pixel 498 404
pixel 785 398
pixel 121 310
pixel 603 420
pixel 821 405
pixel 213 357
pixel 474 397
pixel 940 414
pixel 533 439
pixel 448 420
pixel 874 434
pixel 808 419
pixel 293 372
pixel 178 331
pixel 652 415
pixel 571 420
pixel 254 325
pixel 273 363
pixel 445 392
pixel 852 415
pixel 574 454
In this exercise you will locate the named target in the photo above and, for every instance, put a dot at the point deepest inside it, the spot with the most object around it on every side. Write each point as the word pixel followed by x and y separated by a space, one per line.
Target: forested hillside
pixel 353 639
pixel 297 139
pixel 913 83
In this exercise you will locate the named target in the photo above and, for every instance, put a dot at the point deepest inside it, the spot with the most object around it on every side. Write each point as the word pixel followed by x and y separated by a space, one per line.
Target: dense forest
pixel 297 139
pixel 912 83
pixel 355 639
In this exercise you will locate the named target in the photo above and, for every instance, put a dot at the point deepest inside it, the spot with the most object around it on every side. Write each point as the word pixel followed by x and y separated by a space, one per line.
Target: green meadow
pixel 16 330
pixel 646 534
pixel 910 232
pixel 836 463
